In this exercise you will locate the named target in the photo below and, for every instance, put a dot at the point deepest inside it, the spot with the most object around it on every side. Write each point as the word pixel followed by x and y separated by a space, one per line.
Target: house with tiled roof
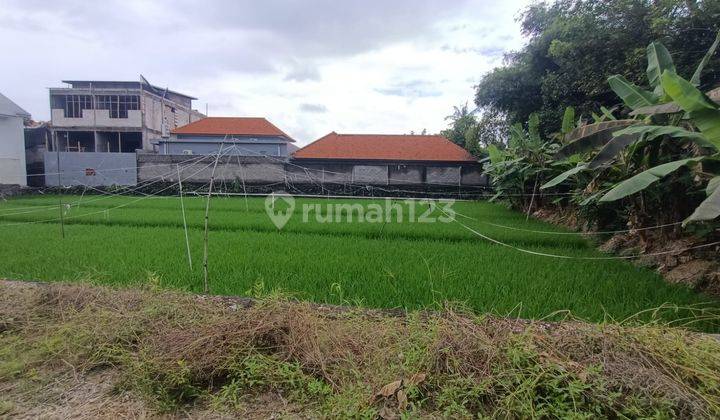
pixel 243 136
pixel 389 159
pixel 384 147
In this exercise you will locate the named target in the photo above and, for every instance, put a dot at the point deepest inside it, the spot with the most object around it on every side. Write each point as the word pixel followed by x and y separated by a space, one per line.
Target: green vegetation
pixel 658 166
pixel 575 45
pixel 177 353
pixel 127 240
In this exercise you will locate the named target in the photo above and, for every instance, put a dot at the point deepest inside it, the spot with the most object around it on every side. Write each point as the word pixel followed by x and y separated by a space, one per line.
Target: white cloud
pixel 372 66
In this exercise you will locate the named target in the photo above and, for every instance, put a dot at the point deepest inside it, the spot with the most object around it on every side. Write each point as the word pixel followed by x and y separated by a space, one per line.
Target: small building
pixel 115 116
pixel 12 142
pixel 384 159
pixel 237 136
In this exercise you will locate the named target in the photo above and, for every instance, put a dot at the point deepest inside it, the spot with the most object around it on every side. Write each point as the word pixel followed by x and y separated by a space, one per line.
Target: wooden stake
pixel 242 177
pixel 60 203
pixel 532 198
pixel 206 287
pixel 182 205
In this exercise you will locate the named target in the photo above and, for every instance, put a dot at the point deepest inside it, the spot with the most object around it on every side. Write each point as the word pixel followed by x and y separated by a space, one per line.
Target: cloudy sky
pixel 308 66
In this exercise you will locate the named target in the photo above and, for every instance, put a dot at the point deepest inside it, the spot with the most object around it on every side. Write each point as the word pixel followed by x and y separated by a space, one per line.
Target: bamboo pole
pixel 60 203
pixel 242 178
pixel 206 286
pixel 532 198
pixel 182 206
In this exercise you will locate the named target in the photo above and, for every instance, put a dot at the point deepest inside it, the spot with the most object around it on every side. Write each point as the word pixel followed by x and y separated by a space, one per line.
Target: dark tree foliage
pixel 491 129
pixel 461 121
pixel 574 45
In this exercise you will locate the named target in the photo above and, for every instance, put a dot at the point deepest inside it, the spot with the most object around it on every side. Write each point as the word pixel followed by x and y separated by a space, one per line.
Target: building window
pixel 72 105
pixel 118 105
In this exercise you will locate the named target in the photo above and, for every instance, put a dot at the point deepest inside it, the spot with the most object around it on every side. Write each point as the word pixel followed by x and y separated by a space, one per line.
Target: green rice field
pixel 121 240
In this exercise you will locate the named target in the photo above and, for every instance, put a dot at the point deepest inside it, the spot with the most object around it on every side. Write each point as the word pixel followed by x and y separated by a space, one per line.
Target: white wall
pixel 96 118
pixel 90 168
pixel 12 151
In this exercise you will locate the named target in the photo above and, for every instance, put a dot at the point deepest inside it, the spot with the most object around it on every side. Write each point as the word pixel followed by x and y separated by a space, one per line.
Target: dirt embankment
pixel 83 351
pixel 679 259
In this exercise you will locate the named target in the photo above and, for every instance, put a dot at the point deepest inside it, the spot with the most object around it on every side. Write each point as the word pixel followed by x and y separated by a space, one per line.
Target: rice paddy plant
pixel 124 240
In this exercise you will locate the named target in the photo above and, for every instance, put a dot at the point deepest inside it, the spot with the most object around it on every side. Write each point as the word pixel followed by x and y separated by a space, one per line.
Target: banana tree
pixel 705 115
pixel 519 169
pixel 670 95
pixel 609 135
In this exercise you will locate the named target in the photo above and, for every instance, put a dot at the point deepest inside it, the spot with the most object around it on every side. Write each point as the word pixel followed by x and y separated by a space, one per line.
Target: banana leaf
pixel 590 199
pixel 494 154
pixel 633 96
pixel 563 176
pixel 708 209
pixel 608 113
pixel 668 108
pixel 659 60
pixel 611 149
pixel 703 111
pixel 712 185
pixel 591 136
pixel 695 80
pixel 672 107
pixel 646 178
pixel 652 132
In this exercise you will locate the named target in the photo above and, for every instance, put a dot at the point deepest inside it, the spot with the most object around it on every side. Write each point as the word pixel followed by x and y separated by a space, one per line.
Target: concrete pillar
pixel 98 146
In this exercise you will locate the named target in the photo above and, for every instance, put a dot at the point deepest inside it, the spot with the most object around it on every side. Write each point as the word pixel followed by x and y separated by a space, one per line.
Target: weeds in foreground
pixel 180 352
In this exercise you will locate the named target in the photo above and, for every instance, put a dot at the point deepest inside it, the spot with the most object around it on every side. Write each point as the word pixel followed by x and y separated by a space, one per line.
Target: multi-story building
pixel 115 116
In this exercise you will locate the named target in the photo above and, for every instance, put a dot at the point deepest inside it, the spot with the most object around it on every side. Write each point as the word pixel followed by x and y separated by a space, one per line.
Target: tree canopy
pixel 476 133
pixel 574 45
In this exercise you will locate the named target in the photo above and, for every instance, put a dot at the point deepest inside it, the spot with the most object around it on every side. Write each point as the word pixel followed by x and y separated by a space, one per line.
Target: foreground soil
pixel 87 352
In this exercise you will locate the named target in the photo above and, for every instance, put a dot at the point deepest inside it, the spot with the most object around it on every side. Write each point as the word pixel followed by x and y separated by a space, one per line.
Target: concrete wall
pixel 96 118
pixel 94 169
pixel 255 170
pixel 406 174
pixel 158 111
pixel 206 145
pixel 445 175
pixel 12 151
pixel 473 175
pixel 370 174
pixel 312 174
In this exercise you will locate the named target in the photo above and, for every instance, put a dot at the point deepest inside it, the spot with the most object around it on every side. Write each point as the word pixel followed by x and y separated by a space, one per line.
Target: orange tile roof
pixel 239 126
pixel 384 147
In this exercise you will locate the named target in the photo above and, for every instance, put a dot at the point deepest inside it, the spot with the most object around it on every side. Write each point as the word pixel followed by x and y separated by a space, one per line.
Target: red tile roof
pixel 239 126
pixel 384 147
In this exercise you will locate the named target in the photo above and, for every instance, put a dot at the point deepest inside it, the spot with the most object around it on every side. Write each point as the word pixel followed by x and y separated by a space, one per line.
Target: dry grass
pixel 162 352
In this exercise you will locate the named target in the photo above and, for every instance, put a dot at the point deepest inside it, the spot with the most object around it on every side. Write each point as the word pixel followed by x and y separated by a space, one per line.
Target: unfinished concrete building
pixel 115 116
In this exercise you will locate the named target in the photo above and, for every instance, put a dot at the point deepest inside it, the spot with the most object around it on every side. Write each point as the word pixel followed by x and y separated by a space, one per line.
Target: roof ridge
pixel 8 107
pixel 323 138
pixel 251 126
pixel 388 135
pixel 403 147
pixel 237 118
